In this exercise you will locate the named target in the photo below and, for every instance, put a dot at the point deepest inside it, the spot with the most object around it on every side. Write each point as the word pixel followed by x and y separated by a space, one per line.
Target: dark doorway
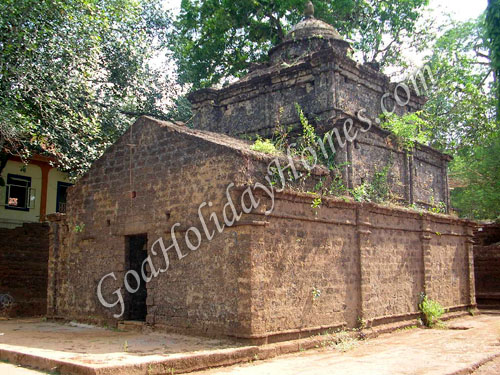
pixel 136 254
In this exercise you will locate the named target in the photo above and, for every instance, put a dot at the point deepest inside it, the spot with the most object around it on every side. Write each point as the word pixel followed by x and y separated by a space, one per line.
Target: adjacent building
pixel 32 191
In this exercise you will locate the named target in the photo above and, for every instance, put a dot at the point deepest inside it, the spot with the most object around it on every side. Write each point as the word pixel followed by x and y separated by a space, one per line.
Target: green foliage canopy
pixel 493 33
pixel 461 106
pixel 410 129
pixel 213 39
pixel 459 118
pixel 74 74
pixel 477 195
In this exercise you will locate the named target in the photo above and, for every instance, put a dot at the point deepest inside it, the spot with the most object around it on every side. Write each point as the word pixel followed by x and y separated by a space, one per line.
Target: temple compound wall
pixel 282 270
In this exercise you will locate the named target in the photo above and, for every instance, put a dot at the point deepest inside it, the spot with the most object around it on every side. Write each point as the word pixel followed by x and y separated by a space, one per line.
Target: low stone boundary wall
pixel 301 270
pixel 353 264
pixel 24 253
pixel 487 265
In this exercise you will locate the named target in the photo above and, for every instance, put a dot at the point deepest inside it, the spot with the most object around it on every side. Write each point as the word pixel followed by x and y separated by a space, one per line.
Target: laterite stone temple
pixel 180 197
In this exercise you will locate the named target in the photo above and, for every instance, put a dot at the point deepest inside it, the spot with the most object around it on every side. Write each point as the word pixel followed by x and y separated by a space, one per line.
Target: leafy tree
pixel 493 32
pixel 461 108
pixel 181 110
pixel 213 39
pixel 74 74
pixel 459 118
pixel 476 167
pixel 478 176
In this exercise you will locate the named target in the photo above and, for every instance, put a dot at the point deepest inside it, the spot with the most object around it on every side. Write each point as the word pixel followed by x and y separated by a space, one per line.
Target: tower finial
pixel 309 11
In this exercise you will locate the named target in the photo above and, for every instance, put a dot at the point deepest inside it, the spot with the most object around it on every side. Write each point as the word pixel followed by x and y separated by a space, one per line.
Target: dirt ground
pixel 8 369
pixel 94 345
pixel 462 347
pixel 490 368
pixel 467 344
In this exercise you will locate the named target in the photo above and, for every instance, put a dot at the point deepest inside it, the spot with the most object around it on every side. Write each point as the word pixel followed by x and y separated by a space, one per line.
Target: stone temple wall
pixel 330 88
pixel 256 279
pixel 327 85
pixel 418 178
pixel 153 177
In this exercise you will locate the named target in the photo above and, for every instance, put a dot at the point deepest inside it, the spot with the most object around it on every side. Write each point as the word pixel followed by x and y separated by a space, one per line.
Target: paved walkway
pixel 468 343
pixel 490 368
pixel 8 369
pixel 35 334
pixel 94 346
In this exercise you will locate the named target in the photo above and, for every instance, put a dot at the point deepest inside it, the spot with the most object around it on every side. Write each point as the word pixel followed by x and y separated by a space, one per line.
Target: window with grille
pixel 19 195
pixel 62 191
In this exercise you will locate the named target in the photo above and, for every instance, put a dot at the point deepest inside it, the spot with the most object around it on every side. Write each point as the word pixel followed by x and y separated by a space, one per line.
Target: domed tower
pixel 312 68
pixel 308 36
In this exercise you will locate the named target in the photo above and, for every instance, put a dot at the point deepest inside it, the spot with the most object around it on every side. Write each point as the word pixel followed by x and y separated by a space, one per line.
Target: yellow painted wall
pixel 9 218
pixel 14 218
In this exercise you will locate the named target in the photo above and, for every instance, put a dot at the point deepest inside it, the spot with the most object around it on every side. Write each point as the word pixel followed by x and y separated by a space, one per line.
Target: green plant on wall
pixel 408 129
pixel 377 190
pixel 380 184
pixel 316 203
pixel 264 145
pixel 327 159
pixel 319 187
pixel 439 208
pixel 316 293
pixel 309 139
pixel 361 193
pixel 281 133
pixel 337 187
pixel 431 311
pixel 281 181
pixel 275 177
pixel 79 228
pixel 362 324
